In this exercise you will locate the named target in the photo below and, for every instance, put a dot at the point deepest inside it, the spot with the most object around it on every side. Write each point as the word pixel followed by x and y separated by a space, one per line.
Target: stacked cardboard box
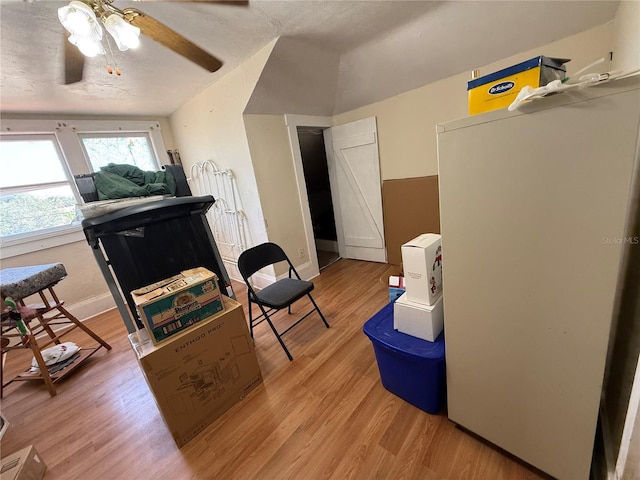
pixel 419 311
pixel 177 303
pixel 201 372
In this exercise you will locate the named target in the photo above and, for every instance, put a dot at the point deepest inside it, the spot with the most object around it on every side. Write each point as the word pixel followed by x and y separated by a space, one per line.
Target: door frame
pixel 292 123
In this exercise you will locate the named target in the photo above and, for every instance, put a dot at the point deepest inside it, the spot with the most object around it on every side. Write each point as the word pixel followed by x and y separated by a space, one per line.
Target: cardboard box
pixel 418 320
pixel 181 302
pixel 25 464
pixel 499 89
pixel 396 287
pixel 422 264
pixel 199 374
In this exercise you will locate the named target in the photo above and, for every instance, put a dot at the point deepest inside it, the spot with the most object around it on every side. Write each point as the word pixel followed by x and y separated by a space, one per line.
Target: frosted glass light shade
pixel 80 20
pixel 88 47
pixel 125 35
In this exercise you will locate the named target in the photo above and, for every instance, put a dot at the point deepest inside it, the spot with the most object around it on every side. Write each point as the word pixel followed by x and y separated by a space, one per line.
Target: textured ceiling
pixel 372 49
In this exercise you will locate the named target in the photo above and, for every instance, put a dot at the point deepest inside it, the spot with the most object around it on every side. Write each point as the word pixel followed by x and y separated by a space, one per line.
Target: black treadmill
pixel 142 244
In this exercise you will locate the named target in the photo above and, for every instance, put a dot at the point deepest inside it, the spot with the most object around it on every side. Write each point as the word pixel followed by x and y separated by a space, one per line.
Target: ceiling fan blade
pixel 170 39
pixel 73 62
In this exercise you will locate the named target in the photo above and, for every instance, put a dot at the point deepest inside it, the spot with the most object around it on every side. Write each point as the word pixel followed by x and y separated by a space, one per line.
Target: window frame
pixel 69 181
pixel 82 135
pixel 75 161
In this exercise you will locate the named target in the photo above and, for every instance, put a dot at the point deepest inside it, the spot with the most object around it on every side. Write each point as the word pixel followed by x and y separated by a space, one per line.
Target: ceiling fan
pixel 86 20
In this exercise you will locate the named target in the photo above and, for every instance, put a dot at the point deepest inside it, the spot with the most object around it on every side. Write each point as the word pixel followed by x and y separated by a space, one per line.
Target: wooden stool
pixel 20 283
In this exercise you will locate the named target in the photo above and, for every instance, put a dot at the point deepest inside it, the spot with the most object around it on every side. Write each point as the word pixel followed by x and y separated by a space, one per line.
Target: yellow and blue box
pixel 499 89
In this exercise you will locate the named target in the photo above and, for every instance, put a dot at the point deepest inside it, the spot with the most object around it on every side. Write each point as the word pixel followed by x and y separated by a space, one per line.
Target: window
pixel 35 191
pixel 132 149
pixel 38 160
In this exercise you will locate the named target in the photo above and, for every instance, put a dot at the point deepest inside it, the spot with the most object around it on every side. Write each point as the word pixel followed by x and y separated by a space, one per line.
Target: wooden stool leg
pixel 73 319
pixel 44 370
pixel 44 324
pixel 2 372
pixel 46 316
pixel 83 327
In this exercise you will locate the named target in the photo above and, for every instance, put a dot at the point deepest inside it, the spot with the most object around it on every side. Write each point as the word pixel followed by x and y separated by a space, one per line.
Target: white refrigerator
pixel 533 209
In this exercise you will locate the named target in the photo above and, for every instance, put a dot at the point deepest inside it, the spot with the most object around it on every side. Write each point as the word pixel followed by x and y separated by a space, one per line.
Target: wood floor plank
pixel 325 415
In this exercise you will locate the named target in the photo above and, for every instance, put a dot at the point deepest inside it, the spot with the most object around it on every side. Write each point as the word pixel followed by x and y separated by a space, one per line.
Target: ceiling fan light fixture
pixel 124 34
pixel 80 20
pixel 88 47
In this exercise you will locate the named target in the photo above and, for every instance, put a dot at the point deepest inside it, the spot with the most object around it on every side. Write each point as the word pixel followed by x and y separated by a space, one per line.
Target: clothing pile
pixel 125 181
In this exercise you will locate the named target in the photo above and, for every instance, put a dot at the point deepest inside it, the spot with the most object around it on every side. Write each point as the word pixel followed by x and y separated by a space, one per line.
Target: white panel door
pixel 354 173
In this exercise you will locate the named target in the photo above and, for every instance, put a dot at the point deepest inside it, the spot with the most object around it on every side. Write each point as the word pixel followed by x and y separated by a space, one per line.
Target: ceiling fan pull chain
pixel 113 57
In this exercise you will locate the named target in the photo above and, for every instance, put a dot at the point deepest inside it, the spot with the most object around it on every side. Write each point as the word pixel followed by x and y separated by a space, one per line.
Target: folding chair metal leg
pixel 318 310
pixel 275 332
pixel 250 314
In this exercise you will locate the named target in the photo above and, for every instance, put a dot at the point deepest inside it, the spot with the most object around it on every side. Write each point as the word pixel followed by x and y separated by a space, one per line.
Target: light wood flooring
pixel 323 416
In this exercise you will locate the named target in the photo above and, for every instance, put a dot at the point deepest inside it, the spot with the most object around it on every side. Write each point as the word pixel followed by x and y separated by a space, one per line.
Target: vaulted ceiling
pixel 358 51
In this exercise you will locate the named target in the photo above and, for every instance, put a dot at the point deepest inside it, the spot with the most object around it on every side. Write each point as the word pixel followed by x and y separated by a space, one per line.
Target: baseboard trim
pixel 261 280
pixel 306 271
pixel 92 306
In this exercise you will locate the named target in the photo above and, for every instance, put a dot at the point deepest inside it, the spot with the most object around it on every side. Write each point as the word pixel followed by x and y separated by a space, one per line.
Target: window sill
pixel 13 248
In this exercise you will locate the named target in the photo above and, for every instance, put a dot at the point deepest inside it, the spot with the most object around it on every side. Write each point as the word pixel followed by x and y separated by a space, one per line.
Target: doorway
pixel 351 156
pixel 316 177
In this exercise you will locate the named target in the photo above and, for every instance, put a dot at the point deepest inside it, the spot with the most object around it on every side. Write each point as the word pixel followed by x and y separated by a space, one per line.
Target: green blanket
pixel 124 181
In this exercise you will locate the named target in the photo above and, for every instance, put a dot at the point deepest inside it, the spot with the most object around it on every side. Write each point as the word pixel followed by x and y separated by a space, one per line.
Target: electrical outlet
pixel 301 252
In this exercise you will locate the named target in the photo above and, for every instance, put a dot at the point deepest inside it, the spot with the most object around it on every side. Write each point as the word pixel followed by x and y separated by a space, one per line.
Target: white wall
pixel 406 122
pixel 626 38
pixel 210 126
pixel 300 77
pixel 277 187
pixel 84 291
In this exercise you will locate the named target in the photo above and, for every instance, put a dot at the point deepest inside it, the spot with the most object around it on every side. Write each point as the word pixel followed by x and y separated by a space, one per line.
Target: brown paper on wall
pixel 410 207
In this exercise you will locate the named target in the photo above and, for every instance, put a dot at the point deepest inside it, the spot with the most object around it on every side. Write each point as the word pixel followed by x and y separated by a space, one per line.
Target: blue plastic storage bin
pixel 411 368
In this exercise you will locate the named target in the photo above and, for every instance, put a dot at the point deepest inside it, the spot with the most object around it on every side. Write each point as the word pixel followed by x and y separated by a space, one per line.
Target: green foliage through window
pixel 131 150
pixel 35 194
pixel 39 210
